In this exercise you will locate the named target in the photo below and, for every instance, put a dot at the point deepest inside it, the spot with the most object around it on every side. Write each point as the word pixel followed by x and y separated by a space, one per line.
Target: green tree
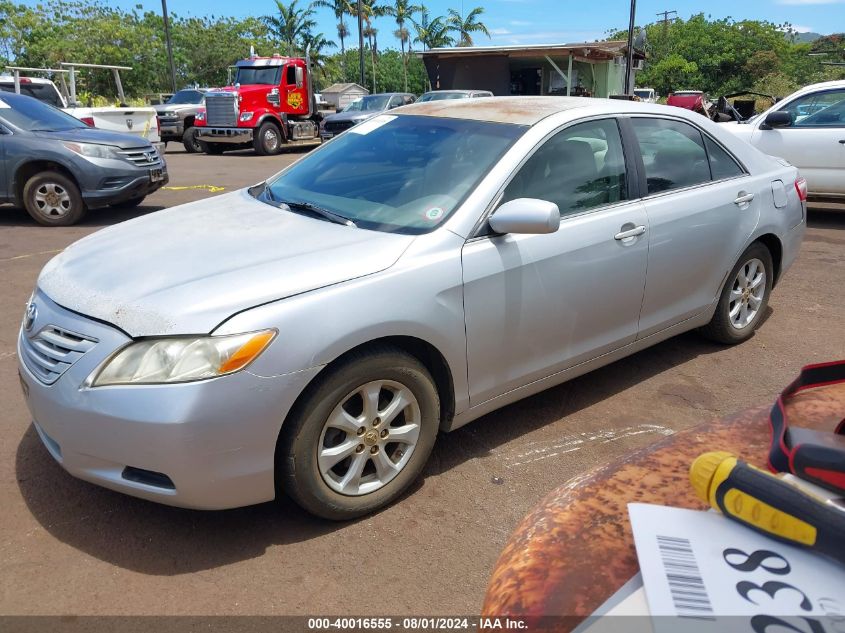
pixel 433 33
pixel 466 26
pixel 672 73
pixel 290 23
pixel 402 11
pixel 339 8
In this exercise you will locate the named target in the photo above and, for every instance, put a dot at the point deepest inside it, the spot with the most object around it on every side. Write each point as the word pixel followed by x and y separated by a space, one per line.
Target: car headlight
pixel 200 116
pixel 93 150
pixel 180 359
pixel 246 116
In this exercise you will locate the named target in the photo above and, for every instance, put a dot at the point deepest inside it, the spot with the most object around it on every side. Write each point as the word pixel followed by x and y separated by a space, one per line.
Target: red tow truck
pixel 270 105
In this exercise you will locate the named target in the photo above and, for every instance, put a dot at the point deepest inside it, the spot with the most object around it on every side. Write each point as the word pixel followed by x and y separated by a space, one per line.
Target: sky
pixel 545 21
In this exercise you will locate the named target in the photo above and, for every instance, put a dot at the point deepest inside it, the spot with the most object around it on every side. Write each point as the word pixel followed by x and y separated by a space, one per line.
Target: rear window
pixel 43 92
pixel 673 154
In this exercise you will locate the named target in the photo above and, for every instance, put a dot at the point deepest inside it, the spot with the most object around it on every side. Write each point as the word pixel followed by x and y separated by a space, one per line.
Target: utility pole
pixel 361 42
pixel 169 45
pixel 629 60
pixel 665 19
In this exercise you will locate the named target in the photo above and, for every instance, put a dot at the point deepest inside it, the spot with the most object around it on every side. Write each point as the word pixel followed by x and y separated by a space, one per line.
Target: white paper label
pixel 372 124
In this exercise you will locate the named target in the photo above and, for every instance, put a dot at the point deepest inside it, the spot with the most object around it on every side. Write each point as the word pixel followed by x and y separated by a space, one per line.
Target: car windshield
pixel 372 103
pixel 400 174
pixel 441 96
pixel 643 94
pixel 264 75
pixel 43 92
pixel 30 114
pixel 186 97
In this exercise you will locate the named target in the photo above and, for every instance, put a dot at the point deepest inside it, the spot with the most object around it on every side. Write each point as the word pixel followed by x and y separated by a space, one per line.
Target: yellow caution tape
pixel 210 188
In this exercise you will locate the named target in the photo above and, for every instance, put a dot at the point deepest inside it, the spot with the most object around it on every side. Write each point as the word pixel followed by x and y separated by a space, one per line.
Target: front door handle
pixel 842 142
pixel 744 198
pixel 624 235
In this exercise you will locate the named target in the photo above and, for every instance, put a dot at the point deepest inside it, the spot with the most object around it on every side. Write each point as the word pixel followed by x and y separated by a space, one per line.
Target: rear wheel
pixel 744 298
pixel 361 437
pixel 267 140
pixel 53 199
pixel 191 142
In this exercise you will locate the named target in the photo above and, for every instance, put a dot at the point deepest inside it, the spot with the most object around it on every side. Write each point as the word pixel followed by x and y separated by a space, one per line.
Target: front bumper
pixel 234 135
pixel 213 441
pixel 172 130
pixel 117 186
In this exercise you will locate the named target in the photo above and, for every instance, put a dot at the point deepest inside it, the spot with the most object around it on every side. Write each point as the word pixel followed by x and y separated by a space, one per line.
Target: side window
pixel 409 99
pixel 395 101
pixel 290 75
pixel 819 109
pixel 673 154
pixel 722 164
pixel 579 168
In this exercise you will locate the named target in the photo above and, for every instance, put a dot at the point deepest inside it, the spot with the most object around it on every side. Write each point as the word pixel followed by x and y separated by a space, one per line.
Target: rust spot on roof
pixel 518 110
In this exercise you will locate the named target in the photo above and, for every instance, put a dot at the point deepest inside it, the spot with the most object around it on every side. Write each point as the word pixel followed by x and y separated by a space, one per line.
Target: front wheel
pixel 53 199
pixel 267 140
pixel 191 142
pixel 361 437
pixel 744 298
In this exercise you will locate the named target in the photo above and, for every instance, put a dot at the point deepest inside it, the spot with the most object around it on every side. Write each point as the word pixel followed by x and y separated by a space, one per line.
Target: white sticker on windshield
pixel 3 104
pixel 372 124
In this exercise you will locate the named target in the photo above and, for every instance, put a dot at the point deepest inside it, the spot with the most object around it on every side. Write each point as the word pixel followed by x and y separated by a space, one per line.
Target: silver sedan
pixel 311 335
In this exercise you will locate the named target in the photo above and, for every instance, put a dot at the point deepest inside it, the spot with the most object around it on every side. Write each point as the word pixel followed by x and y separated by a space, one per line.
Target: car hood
pixel 357 117
pixel 187 269
pixel 93 135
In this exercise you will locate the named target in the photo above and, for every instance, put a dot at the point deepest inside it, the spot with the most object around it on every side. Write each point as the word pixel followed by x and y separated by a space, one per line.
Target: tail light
pixel 158 127
pixel 88 120
pixel 801 188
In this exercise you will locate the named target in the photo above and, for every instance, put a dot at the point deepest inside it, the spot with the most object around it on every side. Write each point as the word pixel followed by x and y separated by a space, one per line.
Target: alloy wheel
pixel 369 437
pixel 747 293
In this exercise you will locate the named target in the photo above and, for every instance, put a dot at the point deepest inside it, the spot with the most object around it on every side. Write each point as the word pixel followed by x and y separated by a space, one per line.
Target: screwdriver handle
pixel 770 505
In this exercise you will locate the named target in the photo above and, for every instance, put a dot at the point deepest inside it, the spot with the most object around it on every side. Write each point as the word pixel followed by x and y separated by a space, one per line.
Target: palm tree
pixel 465 26
pixel 435 33
pixel 402 11
pixel 290 24
pixel 340 8
pixel 317 43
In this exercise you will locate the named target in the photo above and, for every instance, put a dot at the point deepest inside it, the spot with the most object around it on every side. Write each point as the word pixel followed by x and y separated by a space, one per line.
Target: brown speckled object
pixel 575 549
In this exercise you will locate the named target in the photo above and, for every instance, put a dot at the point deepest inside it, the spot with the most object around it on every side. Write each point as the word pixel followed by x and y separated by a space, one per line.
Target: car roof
pixel 526 110
pixel 35 80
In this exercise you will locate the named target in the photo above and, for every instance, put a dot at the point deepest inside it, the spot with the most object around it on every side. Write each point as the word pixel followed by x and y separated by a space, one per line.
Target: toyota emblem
pixel 30 315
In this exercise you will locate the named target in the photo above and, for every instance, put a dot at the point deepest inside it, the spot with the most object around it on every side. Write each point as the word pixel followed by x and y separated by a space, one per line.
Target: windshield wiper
pixel 307 206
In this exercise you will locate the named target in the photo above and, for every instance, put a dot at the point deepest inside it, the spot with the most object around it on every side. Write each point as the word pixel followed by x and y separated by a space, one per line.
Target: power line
pixel 666 15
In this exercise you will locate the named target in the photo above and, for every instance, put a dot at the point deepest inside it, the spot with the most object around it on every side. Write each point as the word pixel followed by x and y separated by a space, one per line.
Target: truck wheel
pixel 53 199
pixel 268 139
pixel 191 142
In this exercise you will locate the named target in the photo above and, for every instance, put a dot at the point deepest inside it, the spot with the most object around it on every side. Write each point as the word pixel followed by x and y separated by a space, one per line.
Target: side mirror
pixel 778 118
pixel 526 215
pixel 300 76
pixel 338 110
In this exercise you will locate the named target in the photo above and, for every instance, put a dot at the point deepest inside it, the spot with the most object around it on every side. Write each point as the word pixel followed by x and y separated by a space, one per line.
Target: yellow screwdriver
pixel 769 503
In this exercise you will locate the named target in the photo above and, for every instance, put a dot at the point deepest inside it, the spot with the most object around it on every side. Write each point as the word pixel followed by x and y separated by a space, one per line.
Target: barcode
pixel 689 594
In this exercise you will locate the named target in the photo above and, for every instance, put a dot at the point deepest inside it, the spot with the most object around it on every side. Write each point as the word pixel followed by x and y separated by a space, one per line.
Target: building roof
pixel 587 51
pixel 343 88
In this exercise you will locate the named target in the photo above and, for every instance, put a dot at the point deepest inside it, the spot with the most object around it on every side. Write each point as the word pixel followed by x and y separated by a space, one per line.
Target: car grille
pixel 52 351
pixel 142 157
pixel 221 110
pixel 338 126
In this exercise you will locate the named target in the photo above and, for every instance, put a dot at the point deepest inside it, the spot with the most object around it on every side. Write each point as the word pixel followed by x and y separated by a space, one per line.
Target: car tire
pixel 744 298
pixel 131 203
pixel 384 469
pixel 53 199
pixel 192 144
pixel 267 140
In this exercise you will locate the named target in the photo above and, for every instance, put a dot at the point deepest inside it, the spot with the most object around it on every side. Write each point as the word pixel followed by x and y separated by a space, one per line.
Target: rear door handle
pixel 744 198
pixel 842 142
pixel 624 235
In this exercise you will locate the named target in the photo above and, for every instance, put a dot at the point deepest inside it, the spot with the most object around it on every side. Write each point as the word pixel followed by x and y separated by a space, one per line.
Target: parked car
pixel 440 95
pixel 694 100
pixel 361 110
pixel 176 118
pixel 57 167
pixel 310 335
pixel 807 128
pixel 646 95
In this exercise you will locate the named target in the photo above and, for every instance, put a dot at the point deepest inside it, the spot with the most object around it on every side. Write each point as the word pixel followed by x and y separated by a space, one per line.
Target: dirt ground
pixel 68 547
